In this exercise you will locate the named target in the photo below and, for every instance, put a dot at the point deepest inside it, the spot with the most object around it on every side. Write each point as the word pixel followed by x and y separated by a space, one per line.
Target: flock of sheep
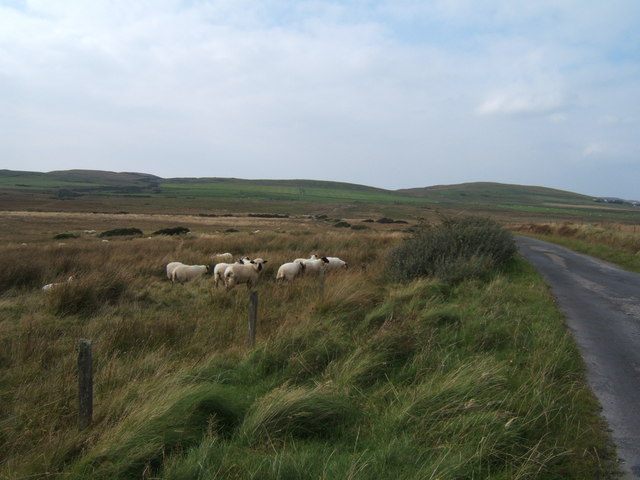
pixel 245 270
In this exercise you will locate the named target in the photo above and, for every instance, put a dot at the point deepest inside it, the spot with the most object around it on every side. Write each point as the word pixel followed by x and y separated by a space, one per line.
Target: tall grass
pixel 616 243
pixel 354 378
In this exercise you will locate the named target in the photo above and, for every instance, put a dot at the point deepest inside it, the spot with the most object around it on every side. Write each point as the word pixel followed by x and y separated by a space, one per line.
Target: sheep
pixel 289 271
pixel 313 266
pixel 185 273
pixel 336 264
pixel 171 267
pixel 49 286
pixel 222 258
pixel 243 273
pixel 218 270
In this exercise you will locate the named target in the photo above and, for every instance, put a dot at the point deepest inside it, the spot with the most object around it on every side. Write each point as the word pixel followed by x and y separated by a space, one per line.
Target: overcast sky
pixel 389 93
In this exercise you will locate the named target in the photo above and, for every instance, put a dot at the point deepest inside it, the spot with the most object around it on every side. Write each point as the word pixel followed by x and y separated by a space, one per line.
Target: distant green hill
pixel 490 192
pixel 132 191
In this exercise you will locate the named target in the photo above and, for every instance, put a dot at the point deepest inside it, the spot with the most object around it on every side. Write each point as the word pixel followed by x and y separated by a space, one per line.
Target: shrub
pixel 342 224
pixel 172 231
pixel 64 236
pixel 458 248
pixel 359 227
pixel 121 232
pixel 385 220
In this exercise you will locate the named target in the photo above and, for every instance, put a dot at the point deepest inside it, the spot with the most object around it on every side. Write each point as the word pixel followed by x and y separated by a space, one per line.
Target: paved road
pixel 602 306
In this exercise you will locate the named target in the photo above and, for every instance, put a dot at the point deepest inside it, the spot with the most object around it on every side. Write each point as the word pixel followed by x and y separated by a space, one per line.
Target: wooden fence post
pixel 322 282
pixel 253 314
pixel 85 384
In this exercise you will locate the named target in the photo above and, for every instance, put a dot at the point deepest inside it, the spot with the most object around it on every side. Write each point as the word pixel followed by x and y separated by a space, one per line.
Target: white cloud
pixel 595 149
pixel 522 102
pixel 285 88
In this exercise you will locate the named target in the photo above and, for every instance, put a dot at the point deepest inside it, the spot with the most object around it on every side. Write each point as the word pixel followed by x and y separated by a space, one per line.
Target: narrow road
pixel 602 305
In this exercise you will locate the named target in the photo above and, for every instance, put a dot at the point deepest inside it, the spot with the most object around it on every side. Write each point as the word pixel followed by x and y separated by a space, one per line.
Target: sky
pixel 386 93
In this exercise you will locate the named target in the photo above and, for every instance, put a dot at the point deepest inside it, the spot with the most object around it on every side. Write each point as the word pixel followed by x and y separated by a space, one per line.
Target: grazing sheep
pixel 289 271
pixel 222 258
pixel 171 267
pixel 186 273
pixel 218 270
pixel 50 286
pixel 313 266
pixel 243 273
pixel 336 264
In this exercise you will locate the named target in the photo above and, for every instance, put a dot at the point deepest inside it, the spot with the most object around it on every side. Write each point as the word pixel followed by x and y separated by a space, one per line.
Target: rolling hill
pixel 93 190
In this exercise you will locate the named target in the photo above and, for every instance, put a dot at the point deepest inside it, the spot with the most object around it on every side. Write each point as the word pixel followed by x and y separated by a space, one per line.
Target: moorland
pixel 353 375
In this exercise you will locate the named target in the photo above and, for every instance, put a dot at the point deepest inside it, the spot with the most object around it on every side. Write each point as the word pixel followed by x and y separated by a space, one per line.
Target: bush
pixel 457 249
pixel 342 224
pixel 172 231
pixel 359 227
pixel 64 236
pixel 121 232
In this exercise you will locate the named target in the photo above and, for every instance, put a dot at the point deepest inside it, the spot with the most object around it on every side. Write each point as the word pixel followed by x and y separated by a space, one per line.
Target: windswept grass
pixel 354 377
pixel 619 244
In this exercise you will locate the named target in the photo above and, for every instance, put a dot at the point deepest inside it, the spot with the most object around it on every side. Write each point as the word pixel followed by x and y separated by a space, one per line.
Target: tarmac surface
pixel 601 303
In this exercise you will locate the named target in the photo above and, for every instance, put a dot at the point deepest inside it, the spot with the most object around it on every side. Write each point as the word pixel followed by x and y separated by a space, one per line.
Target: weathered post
pixel 322 282
pixel 253 314
pixel 85 384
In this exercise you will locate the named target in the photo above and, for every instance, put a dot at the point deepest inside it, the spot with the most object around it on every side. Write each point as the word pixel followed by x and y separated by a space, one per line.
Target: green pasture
pixel 286 193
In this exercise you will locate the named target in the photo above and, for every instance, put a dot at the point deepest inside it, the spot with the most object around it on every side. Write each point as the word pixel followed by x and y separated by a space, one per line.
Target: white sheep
pixel 218 270
pixel 222 258
pixel 50 286
pixel 289 271
pixel 243 273
pixel 313 266
pixel 171 267
pixel 186 273
pixel 336 264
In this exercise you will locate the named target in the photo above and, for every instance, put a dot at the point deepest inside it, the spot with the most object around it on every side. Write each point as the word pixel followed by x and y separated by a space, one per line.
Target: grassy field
pixel 109 192
pixel 360 377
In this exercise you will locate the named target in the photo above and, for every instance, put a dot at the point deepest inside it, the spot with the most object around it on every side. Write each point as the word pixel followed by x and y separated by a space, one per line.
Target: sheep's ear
pixel 325 259
pixel 265 261
pixel 252 262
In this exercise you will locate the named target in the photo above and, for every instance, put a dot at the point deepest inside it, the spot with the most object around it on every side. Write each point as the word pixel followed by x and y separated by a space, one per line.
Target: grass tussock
pixel 87 295
pixel 297 413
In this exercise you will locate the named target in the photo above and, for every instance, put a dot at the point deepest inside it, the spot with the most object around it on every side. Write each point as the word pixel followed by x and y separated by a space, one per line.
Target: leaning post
pixel 85 384
pixel 253 316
